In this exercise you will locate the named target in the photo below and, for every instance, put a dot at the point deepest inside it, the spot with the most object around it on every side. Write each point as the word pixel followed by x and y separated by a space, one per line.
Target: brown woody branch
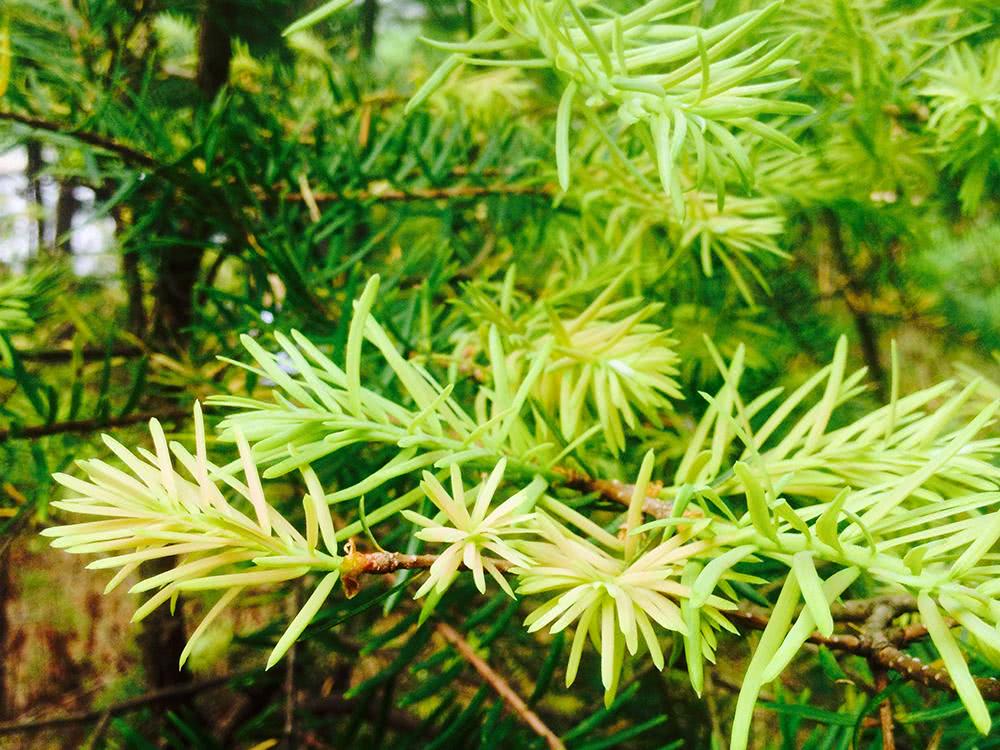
pixel 885 718
pixel 357 564
pixel 875 627
pixel 880 644
pixel 451 192
pixel 500 686
pixel 861 610
pixel 618 492
pixel 88 425
pixel 156 697
pixel 55 356
pixel 126 152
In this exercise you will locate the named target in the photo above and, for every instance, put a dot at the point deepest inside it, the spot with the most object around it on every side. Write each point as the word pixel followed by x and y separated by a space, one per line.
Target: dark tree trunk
pixel 178 269
pixel 369 17
pixel 33 195
pixel 133 288
pixel 132 277
pixel 215 46
pixel 66 208
pixel 5 595
pixel 176 275
pixel 162 637
pixel 855 291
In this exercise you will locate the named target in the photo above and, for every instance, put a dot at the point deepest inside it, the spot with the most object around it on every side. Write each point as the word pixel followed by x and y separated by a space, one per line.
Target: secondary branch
pixel 164 696
pixel 880 643
pixel 883 648
pixel 88 425
pixel 126 152
pixel 451 192
pixel 500 686
pixel 618 492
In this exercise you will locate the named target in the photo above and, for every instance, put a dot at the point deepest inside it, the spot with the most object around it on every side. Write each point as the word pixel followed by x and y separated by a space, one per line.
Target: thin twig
pixel 875 628
pixel 450 192
pixel 882 649
pixel 53 356
pixel 88 425
pixel 94 740
pixel 618 492
pixel 500 686
pixel 288 730
pixel 166 695
pixel 885 712
pixel 356 564
pixel 128 153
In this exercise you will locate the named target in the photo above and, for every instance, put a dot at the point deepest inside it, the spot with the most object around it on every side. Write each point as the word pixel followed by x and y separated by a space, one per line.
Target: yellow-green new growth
pixel 616 367
pixel 964 94
pixel 685 85
pixel 154 511
pixel 611 600
pixel 468 533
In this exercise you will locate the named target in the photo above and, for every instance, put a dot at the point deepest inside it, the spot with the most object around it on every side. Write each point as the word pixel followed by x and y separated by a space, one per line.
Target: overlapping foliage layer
pixel 556 341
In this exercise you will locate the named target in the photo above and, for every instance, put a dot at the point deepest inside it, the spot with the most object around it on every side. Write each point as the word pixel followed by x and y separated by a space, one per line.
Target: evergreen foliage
pixel 544 367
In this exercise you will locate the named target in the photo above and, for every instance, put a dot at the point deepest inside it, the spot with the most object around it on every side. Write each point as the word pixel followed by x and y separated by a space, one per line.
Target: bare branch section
pixel 156 697
pixel 862 610
pixel 126 152
pixel 452 192
pixel 879 642
pixel 618 492
pixel 56 356
pixel 357 564
pixel 89 425
pixel 500 686
pixel 334 705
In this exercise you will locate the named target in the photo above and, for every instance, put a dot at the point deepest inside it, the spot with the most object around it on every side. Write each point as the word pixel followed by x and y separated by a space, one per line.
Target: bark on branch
pixel 450 192
pixel 617 491
pixel 88 425
pixel 500 686
pixel 155 697
pixel 881 644
pixel 357 564
pixel 127 153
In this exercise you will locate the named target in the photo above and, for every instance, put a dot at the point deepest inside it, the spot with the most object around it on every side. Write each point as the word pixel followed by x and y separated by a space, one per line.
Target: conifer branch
pixel 664 575
pixel 879 641
pixel 164 696
pixel 89 425
pixel 881 645
pixel 450 192
pixel 500 686
pixel 126 152
pixel 619 492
